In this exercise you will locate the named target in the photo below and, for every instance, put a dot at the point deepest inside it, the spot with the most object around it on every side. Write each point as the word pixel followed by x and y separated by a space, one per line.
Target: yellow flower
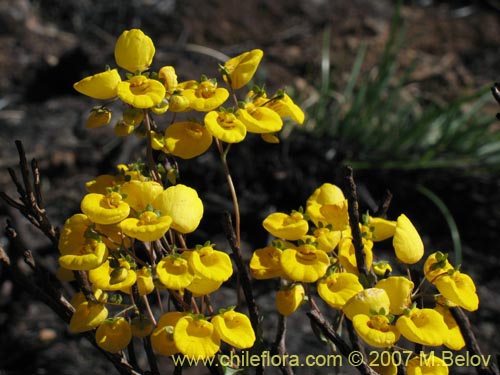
pixel 375 330
pixel 407 242
pixel 265 263
pixel 196 338
pixel 174 272
pixel 325 194
pixel 169 77
pixel 187 139
pixel 141 326
pixel 423 326
pixel 99 86
pixel 289 299
pixel 290 227
pixel 73 233
pixel 113 335
pixel 90 255
pixel 201 286
pixel 98 117
pixel 225 126
pixel 242 68
pixel 87 316
pixel 106 277
pixel 459 288
pixel 382 268
pixel 380 229
pixel 105 209
pixel 367 301
pixel 148 227
pixel 162 338
pixel 183 205
pixel 436 265
pixel 347 254
pixel 141 92
pixel 140 193
pixel 259 119
pixel 101 183
pixel 337 288
pixel 79 298
pixel 144 281
pixel 327 239
pixel 285 107
pixel 210 263
pixel 426 365
pixel 206 96
pixel 112 236
pixel 454 339
pixel 134 51
pixel 234 328
pixel 399 290
pixel 336 214
pixel 305 263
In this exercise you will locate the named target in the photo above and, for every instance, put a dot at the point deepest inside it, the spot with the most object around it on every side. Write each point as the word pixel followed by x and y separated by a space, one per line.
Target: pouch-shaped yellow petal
pixel 87 316
pixel 426 365
pixel 327 239
pixel 196 338
pixel 103 276
pixel 436 265
pixel 169 77
pixel 187 139
pixel 242 68
pixel 225 126
pixel 235 329
pixel 162 338
pixel 174 272
pixel 134 51
pixel 325 194
pixel 382 229
pixel 399 290
pixel 183 205
pixel 206 96
pixel 459 288
pixel 454 339
pixel 99 86
pixel 290 227
pixel 73 233
pixel 375 330
pixel 105 209
pixel 347 254
pixel 138 194
pixel 97 118
pixel 259 119
pixel 337 288
pixel 113 335
pixel 423 326
pixel 289 299
pixel 336 214
pixel 201 286
pixel 91 254
pixel 141 92
pixel 148 227
pixel 285 107
pixel 367 301
pixel 407 243
pixel 306 263
pixel 265 263
pixel 210 263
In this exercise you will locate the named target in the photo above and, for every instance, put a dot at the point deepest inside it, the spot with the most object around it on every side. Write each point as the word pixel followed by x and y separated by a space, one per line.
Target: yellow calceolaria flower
pixel 87 316
pixel 73 233
pixel 242 68
pixel 141 92
pixel 138 194
pixel 225 126
pixel 367 301
pixel 426 365
pixel 183 205
pixel 106 277
pixel 382 268
pixel 113 335
pixel 336 215
pixel 234 328
pixel 134 51
pixel 169 78
pixel 454 339
pixel 376 330
pixel 265 263
pixel 102 183
pixel 196 338
pixel 187 139
pixel 259 120
pixel 162 338
pixel 210 263
pixel 459 288
pixel 174 272
pixel 423 326
pixel 98 117
pixel 285 107
pixel 90 255
pixel 338 287
pixel 201 286
pixel 379 229
pixel 205 96
pixel 112 236
pixel 305 263
pixel 149 226
pixel 399 290
pixel 141 326
pixel 347 254
pixel 145 283
pixel 102 86
pixel 289 227
pixel 327 239
pixel 407 243
pixel 105 209
pixel 436 265
pixel 289 299
pixel 326 194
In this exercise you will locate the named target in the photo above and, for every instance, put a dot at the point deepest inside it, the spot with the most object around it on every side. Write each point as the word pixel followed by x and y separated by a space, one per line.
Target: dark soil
pixel 47 45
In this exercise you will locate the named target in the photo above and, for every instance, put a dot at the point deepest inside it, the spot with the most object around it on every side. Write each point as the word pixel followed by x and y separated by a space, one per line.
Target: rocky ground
pixel 47 45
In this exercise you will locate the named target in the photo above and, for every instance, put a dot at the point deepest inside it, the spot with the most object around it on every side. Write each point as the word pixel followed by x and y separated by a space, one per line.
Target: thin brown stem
pixel 149 150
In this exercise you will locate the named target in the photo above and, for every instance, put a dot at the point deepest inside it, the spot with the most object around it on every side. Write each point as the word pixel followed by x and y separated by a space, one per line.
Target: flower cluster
pixel 315 246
